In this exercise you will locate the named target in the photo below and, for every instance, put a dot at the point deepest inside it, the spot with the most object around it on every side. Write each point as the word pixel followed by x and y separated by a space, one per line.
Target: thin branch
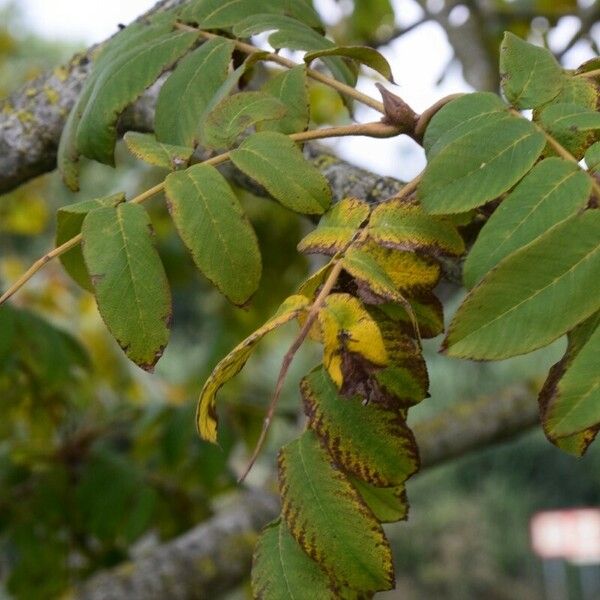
pixel 289 356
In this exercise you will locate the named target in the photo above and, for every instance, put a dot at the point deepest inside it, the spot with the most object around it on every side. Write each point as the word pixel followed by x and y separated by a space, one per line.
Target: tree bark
pixel 217 555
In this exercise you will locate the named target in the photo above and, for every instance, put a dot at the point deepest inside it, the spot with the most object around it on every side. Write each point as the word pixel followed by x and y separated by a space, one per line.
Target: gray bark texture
pixel 217 555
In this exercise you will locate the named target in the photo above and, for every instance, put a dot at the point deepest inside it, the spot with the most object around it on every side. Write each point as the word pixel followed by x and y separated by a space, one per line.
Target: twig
pixel 289 356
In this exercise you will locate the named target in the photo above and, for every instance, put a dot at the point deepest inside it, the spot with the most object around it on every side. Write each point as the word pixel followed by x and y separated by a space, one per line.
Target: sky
pixel 418 59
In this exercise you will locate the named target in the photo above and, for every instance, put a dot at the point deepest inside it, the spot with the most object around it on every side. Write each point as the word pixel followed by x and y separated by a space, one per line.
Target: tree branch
pixel 33 117
pixel 216 556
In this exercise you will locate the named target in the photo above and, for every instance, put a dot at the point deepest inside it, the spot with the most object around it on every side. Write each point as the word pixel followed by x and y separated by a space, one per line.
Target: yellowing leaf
pixel 347 327
pixel 324 513
pixel 396 224
pixel 371 442
pixel 336 228
pixel 206 416
pixel 388 273
pixel 570 398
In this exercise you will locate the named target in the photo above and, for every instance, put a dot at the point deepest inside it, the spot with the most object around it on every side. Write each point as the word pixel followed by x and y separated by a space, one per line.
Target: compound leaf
pixel 129 281
pixel 213 226
pixel 206 417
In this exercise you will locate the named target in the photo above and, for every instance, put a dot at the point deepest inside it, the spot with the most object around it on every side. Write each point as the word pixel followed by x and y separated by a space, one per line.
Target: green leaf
pixel 275 162
pixel 480 165
pixel 212 225
pixel 574 126
pixel 290 87
pixel 336 228
pixel 592 158
pixel 281 570
pixel 324 512
pixel 129 281
pixel 232 364
pixel 292 34
pixel 363 54
pixel 68 224
pixel 123 42
pixel 145 147
pixel 570 398
pixel 119 85
pixel 186 95
pixel 461 116
pixel 235 114
pixel 387 504
pixel 371 442
pixel 530 75
pixel 217 14
pixel 347 327
pixel 553 191
pixel 396 224
pixel 533 296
